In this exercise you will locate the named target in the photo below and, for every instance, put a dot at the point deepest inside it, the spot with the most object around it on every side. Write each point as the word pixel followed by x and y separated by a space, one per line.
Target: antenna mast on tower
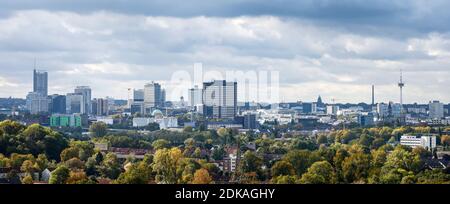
pixel 401 84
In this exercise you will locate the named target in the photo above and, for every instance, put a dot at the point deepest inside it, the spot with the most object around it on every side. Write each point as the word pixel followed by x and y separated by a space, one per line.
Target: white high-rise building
pixel 87 97
pixel 332 109
pixel 195 97
pixel 382 110
pixel 37 103
pixel 436 110
pixel 75 103
pixel 220 99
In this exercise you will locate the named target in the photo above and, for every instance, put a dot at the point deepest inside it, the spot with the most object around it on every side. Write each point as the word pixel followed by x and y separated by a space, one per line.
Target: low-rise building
pixel 65 120
pixel 427 142
pixel 106 120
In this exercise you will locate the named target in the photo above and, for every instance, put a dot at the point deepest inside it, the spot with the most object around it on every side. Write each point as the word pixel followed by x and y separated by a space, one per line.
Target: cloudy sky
pixel 335 48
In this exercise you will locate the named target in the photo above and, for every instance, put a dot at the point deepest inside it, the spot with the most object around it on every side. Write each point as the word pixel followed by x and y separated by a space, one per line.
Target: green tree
pixel 69 153
pixel 139 173
pixel 286 179
pixel 377 143
pixel 11 127
pixel 251 162
pixel 365 140
pixel 356 166
pixel 42 162
pixel 85 149
pixel 300 160
pixel 75 164
pixel 224 134
pixel 59 175
pixel 322 139
pixel 98 129
pixel 319 173
pixel 110 166
pixel 402 159
pixel 433 177
pixel 160 144
pixel 16 160
pixel 282 168
pixel 218 153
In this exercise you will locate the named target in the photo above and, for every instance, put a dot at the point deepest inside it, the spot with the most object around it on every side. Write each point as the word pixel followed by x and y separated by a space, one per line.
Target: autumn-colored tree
pixel 77 177
pixel 27 167
pixel 165 165
pixel 28 179
pixel 202 176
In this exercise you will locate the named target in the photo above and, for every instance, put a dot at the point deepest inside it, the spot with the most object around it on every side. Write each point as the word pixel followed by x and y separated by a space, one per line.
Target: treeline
pixel 360 155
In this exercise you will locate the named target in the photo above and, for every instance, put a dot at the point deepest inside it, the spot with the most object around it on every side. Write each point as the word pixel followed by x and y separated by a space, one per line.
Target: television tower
pixel 401 84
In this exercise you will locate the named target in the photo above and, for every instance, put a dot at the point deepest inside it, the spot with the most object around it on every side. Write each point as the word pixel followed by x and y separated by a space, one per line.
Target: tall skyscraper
pixel 220 99
pixel 40 82
pixel 75 103
pixel 436 110
pixel 87 97
pixel 152 95
pixel 37 101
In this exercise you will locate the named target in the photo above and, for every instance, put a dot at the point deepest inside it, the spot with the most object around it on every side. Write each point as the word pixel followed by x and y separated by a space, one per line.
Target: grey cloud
pixel 100 48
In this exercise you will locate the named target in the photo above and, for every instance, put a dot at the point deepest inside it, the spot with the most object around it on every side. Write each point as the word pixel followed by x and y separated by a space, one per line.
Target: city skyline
pixel 322 48
pixel 372 91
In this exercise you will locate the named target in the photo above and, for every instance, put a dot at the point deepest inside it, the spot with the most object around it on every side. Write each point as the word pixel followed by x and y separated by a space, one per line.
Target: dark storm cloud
pixel 419 15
